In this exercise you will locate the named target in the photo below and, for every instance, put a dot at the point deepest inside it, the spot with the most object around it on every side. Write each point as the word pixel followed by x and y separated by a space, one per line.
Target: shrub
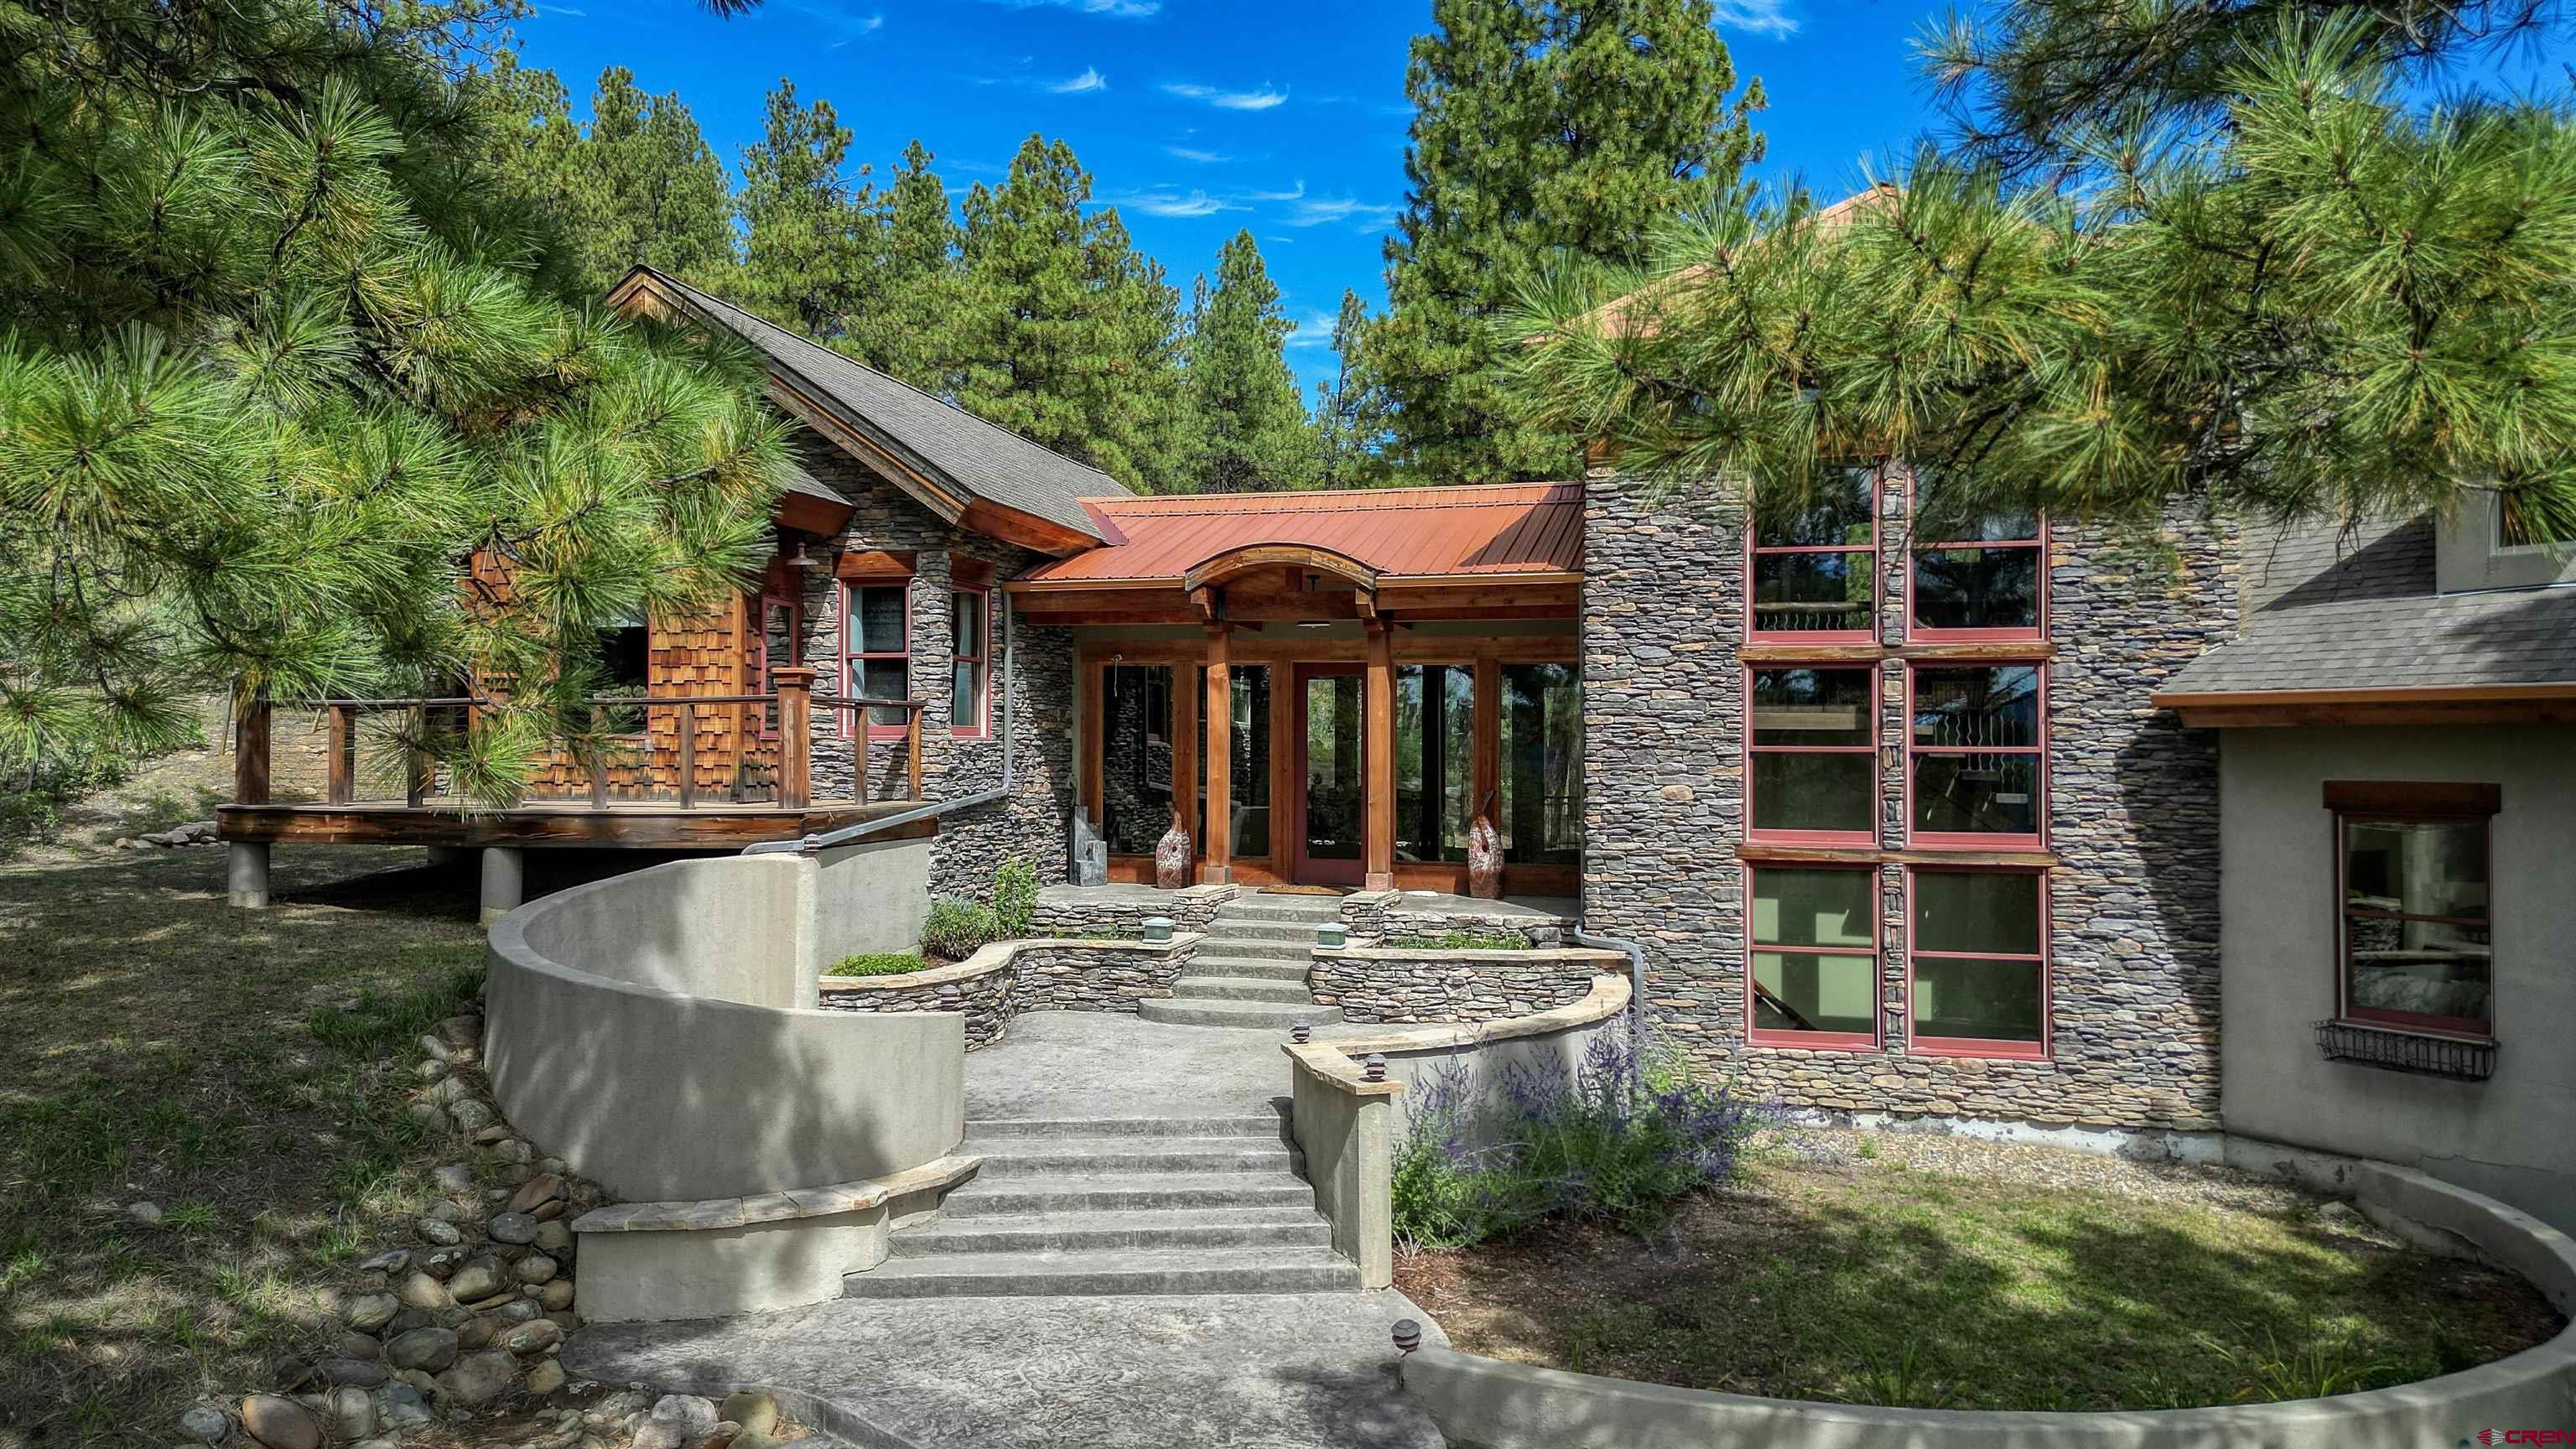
pixel 878 963
pixel 1624 1139
pixel 1015 900
pixel 1463 941
pixel 957 929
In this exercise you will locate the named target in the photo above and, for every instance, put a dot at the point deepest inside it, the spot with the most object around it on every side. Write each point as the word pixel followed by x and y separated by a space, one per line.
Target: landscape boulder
pixel 280 1423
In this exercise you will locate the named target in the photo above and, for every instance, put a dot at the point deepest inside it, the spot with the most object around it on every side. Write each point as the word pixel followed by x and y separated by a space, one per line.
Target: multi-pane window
pixel 1815 567
pixel 1812 966
pixel 1984 578
pixel 1541 810
pixel 970 669
pixel 1135 756
pixel 1435 743
pixel 1977 962
pixel 876 644
pixel 1814 755
pixel 2415 939
pixel 1977 754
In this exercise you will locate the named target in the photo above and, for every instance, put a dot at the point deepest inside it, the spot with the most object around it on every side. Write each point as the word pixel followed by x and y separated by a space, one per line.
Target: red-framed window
pixel 778 632
pixel 1979 578
pixel 1977 755
pixel 1811 747
pixel 1813 571
pixel 1976 967
pixel 1811 957
pixel 970 636
pixel 876 648
pixel 2413 918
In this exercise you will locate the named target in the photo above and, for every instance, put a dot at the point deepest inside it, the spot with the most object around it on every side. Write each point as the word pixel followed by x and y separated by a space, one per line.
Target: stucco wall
pixel 2507 1137
pixel 655 1030
pixel 872 896
pixel 2132 802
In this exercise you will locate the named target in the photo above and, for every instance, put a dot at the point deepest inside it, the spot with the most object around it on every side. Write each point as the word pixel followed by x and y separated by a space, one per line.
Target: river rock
pixel 206 1423
pixel 280 1423
pixel 353 1344
pixel 475 1332
pixel 400 1406
pixel 364 1373
pixel 545 1378
pixel 453 1177
pixel 479 1378
pixel 535 1336
pixel 478 1278
pixel 555 1238
pixel 556 1295
pixel 390 1261
pixel 426 1349
pixel 544 1187
pixel 472 1115
pixel 146 1213
pixel 513 1228
pixel 423 1291
pixel 660 1434
pixel 353 1412
pixel 755 1410
pixel 517 1310
pixel 431 1116
pixel 535 1268
pixel 463 1030
pixel 444 1263
pixel 444 1234
pixel 371 1311
pixel 694 1415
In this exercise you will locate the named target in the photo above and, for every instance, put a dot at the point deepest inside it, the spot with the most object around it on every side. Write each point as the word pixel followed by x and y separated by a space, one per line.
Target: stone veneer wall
pixel 1009 977
pixel 1095 913
pixel 1391 984
pixel 2132 804
pixel 1039 708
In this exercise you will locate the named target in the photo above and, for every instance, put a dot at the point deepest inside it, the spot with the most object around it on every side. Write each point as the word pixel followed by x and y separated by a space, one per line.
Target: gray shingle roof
pixel 992 463
pixel 2330 609
pixel 800 481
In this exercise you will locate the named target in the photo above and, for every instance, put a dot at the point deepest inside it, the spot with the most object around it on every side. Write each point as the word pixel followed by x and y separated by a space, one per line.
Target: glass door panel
pixel 1250 775
pixel 1330 776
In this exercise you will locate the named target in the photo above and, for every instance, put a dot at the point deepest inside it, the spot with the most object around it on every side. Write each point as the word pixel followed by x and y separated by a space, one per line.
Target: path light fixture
pixel 1408 1335
pixel 1374 1067
pixel 1332 934
pixel 1299 1031
pixel 1158 930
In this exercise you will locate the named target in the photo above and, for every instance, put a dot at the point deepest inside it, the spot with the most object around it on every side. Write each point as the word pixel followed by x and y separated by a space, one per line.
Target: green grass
pixel 1877 1284
pixel 245 1072
pixel 1462 941
pixel 878 963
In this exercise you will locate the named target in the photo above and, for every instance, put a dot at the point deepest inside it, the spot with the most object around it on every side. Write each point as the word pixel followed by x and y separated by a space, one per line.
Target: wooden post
pixel 250 754
pixel 1185 752
pixel 1485 772
pixel 419 770
pixel 1377 758
pixel 795 684
pixel 337 785
pixel 599 760
pixel 912 750
pixel 688 754
pixel 1218 868
pixel 1095 715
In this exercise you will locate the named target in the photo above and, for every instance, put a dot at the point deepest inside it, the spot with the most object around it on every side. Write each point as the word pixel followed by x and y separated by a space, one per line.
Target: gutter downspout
pixel 1636 973
pixel 814 844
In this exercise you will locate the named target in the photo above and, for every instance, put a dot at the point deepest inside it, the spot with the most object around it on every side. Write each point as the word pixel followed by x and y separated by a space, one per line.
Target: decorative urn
pixel 1484 860
pixel 1172 858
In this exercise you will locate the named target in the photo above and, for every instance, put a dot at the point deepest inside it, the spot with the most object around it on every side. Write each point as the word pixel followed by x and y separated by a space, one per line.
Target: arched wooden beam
pixel 1219 567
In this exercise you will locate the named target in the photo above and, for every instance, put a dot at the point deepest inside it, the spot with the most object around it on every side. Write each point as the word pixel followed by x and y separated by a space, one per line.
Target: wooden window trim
pixel 850 634
pixel 1829 1041
pixel 1867 835
pixel 1755 549
pixel 2413 1022
pixel 2037 837
pixel 1959 1046
pixel 1917 632
pixel 983 660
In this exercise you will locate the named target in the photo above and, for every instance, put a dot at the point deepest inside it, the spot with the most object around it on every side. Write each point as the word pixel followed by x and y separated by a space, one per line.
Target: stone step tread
pixel 1228 964
pixel 1267 1126
pixel 1157 1192
pixel 1131 1154
pixel 1249 1015
pixel 1114 1271
pixel 1280 1226
pixel 1257 948
pixel 1235 912
pixel 1193 986
pixel 1268 928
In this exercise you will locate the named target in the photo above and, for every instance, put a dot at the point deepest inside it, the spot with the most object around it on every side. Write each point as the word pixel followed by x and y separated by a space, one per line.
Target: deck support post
pixel 246 874
pixel 1218 867
pixel 795 685
pixel 504 881
pixel 1377 757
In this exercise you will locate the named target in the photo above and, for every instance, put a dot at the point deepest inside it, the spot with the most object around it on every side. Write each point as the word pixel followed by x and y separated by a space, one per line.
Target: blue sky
pixel 1196 117
pixel 1199 117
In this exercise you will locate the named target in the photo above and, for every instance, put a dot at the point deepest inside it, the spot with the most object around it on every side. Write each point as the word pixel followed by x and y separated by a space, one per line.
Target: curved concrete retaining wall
pixel 1511 1406
pixel 1348 1127
pixel 1374 983
pixel 657 1031
pixel 1006 978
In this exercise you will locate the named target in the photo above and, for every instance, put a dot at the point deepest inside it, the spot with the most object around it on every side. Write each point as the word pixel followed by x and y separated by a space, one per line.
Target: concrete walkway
pixel 1070 1064
pixel 1274 1371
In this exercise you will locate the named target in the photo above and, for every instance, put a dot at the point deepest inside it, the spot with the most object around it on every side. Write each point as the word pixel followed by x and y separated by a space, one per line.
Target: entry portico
pixel 1330 688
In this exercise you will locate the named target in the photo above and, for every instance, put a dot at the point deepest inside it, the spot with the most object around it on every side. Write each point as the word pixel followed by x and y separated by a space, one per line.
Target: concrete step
pixel 1268 1126
pixel 1196 987
pixel 1252 1015
pixel 1233 1227
pixel 1135 1271
pixel 1298 910
pixel 1229 963
pixel 1300 934
pixel 1124 1192
pixel 1041 1156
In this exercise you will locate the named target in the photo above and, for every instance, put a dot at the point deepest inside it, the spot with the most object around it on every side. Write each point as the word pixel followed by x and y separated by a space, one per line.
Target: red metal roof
pixel 1480 531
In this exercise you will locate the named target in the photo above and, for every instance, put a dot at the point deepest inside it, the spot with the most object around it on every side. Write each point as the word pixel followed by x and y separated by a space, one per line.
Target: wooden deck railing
pixel 748 745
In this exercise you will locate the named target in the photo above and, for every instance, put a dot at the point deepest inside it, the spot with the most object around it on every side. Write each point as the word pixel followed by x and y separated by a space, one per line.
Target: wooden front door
pixel 1329 781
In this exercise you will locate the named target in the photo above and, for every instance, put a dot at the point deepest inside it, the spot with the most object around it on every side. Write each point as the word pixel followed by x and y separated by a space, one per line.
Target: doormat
pixel 1302 890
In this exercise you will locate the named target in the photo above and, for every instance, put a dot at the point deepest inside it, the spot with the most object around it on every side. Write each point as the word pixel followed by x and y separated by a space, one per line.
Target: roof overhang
pixel 1233 563
pixel 2464 704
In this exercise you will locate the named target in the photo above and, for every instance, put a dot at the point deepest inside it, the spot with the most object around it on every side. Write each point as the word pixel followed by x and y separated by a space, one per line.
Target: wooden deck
pixel 713 825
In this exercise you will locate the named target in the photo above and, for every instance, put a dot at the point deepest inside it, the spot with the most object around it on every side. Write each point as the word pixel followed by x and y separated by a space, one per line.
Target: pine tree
pixel 809 233
pixel 918 284
pixel 1350 411
pixel 644 186
pixel 281 361
pixel 2311 295
pixel 1538 127
pixel 1065 334
pixel 1249 428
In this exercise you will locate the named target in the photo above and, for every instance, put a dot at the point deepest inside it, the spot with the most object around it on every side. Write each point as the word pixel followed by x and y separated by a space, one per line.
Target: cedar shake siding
pixel 2131 1037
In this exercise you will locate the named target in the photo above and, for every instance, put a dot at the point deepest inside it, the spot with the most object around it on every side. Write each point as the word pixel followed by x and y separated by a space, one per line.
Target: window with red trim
pixel 1815 568
pixel 2413 917
pixel 1977 962
pixel 970 633
pixel 1981 578
pixel 1811 958
pixel 876 650
pixel 1813 747
pixel 1977 764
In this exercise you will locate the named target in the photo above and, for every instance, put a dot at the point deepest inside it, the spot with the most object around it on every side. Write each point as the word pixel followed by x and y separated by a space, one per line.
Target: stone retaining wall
pixel 1009 977
pixel 1095 913
pixel 1371 983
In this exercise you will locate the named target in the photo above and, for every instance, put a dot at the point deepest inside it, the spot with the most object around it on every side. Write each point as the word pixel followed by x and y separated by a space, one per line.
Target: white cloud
pixel 1295 193
pixel 1114 9
pixel 1762 17
pixel 1165 202
pixel 1325 211
pixel 1260 100
pixel 1314 330
pixel 1204 158
pixel 1090 80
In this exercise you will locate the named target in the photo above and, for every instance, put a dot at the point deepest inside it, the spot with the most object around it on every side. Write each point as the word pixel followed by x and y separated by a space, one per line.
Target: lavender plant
pixel 1624 1138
